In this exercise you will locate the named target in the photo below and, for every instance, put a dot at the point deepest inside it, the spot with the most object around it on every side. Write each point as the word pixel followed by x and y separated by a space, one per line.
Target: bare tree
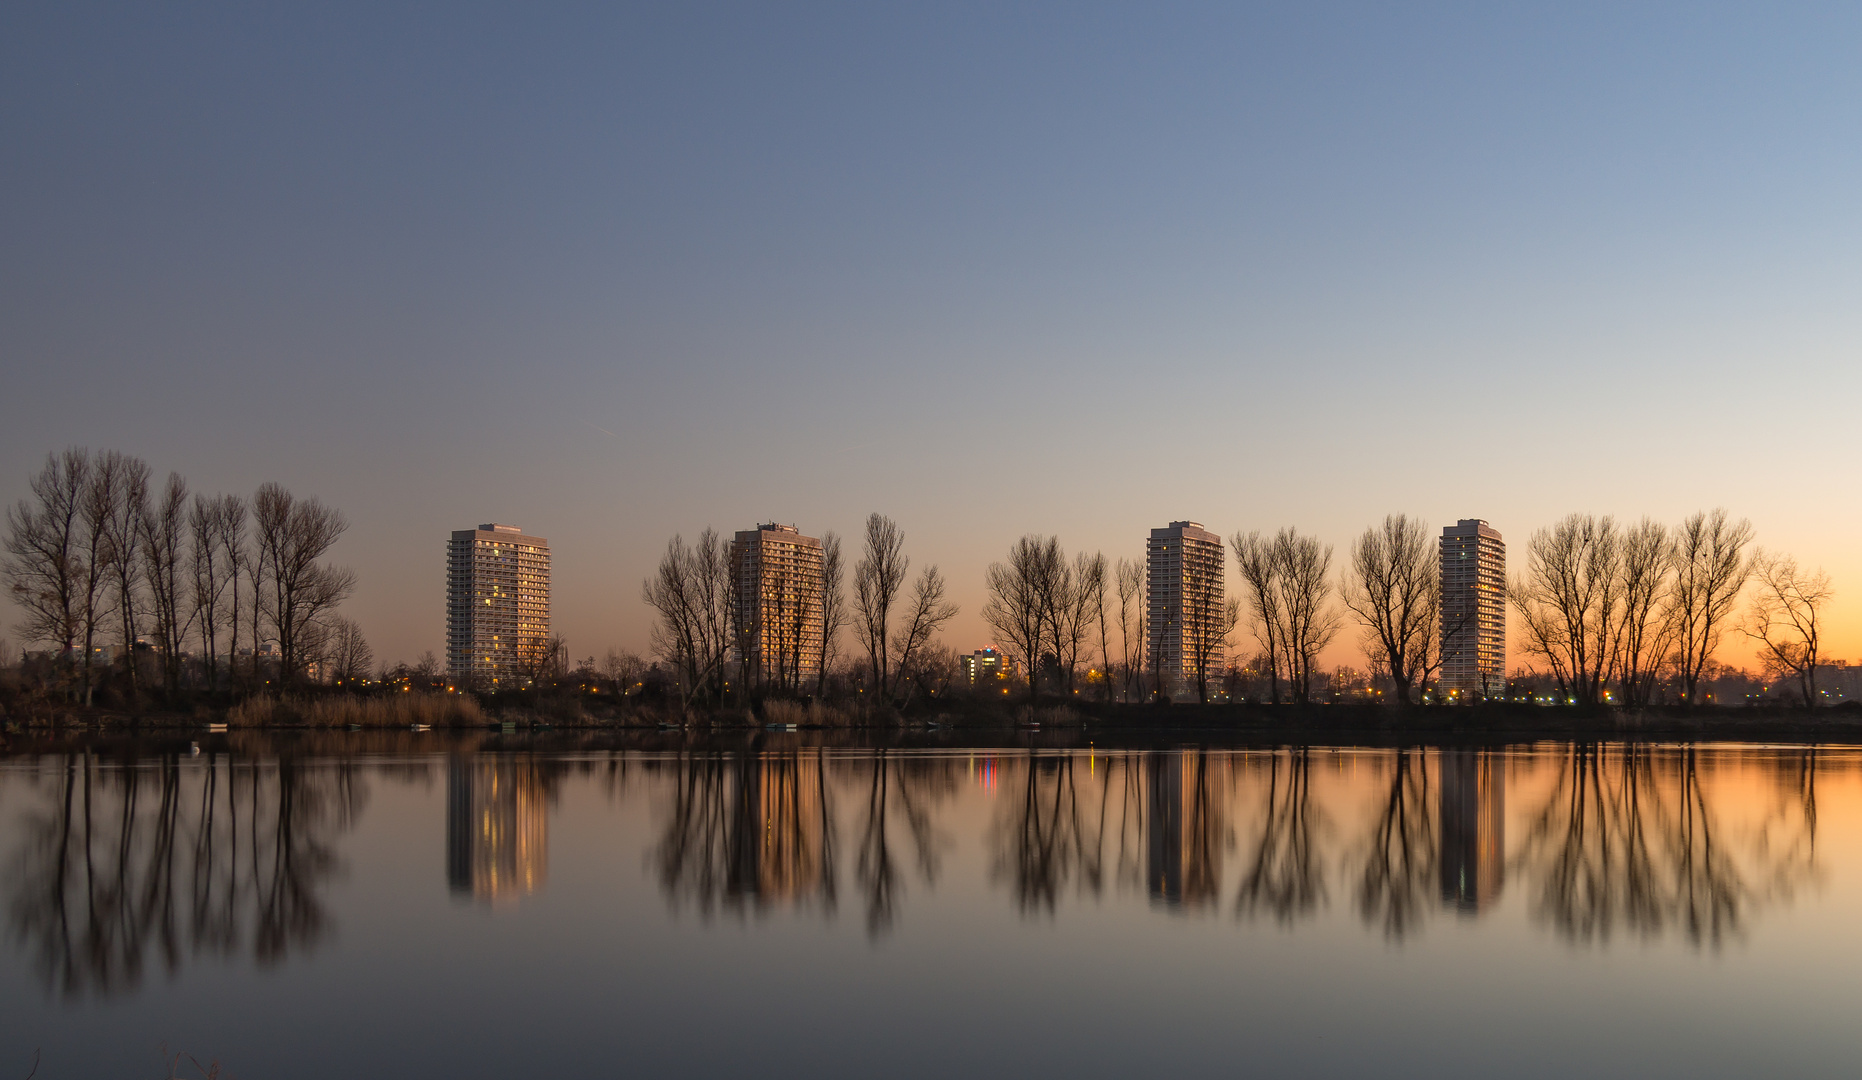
pixel 833 606
pixel 1072 590
pixel 877 580
pixel 426 667
pixel 1308 620
pixel 1131 622
pixel 1207 620
pixel 230 535
pixel 164 543
pixel 1645 632
pixel 622 669
pixel 351 659
pixel 294 534
pixel 123 528
pixel 99 502
pixel 925 614
pixel 46 568
pixel 213 584
pixel 1260 568
pixel 1785 619
pixel 1394 587
pixel 1571 602
pixel 934 669
pixel 691 594
pixel 1102 614
pixel 540 659
pixel 1710 570
pixel 1018 598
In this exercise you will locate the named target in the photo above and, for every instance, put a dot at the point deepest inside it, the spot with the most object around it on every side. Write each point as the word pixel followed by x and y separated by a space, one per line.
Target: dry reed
pixel 389 710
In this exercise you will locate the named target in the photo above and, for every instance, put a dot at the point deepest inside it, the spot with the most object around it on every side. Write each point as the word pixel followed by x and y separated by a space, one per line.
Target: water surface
pixel 473 909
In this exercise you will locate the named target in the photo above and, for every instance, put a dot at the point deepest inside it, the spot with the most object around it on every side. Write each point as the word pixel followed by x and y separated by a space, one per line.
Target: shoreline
pixel 1059 726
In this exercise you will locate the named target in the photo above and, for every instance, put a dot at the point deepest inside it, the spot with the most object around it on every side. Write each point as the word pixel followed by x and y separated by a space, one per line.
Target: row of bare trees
pixel 96 556
pixel 1617 613
pixel 896 648
pixel 1624 614
pixel 1615 610
pixel 717 611
pixel 1046 610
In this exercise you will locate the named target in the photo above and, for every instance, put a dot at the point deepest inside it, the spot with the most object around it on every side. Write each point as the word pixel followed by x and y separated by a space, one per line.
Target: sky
pixel 616 272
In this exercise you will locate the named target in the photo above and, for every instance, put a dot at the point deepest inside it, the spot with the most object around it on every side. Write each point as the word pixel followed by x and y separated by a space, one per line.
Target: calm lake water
pixel 441 909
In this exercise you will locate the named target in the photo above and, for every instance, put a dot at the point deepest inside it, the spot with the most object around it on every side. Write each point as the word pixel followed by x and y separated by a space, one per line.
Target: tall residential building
pixel 497 604
pixel 1183 589
pixel 1473 611
pixel 778 581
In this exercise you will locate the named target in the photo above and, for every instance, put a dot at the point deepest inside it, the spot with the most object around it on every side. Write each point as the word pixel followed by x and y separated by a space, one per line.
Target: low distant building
pixel 986 667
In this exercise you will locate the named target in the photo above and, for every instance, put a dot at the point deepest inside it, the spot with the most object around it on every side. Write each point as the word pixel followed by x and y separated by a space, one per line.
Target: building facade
pixel 778 583
pixel 986 668
pixel 497 605
pixel 1473 611
pixel 1184 599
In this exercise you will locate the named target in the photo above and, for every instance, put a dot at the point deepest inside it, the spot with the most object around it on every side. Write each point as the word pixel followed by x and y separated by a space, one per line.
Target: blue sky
pixel 614 272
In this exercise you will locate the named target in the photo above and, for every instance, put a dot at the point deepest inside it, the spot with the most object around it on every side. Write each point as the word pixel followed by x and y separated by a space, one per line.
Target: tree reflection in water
pixel 1285 876
pixel 124 865
pixel 1400 855
pixel 1624 837
pixel 1630 838
pixel 121 863
pixel 757 830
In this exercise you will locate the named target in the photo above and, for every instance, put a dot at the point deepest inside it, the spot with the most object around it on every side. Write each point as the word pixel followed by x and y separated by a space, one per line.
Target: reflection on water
pixel 1632 838
pixel 1615 837
pixel 118 865
pixel 497 827
pixel 1473 829
pixel 121 865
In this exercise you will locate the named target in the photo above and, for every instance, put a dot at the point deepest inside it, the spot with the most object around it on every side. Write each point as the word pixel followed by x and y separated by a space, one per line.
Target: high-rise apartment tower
pixel 497 604
pixel 1183 587
pixel 1473 611
pixel 778 582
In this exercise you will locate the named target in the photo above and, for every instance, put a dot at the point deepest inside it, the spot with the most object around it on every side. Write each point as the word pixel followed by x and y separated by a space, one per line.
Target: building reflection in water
pixel 785 851
pixel 497 827
pixel 1183 859
pixel 1473 829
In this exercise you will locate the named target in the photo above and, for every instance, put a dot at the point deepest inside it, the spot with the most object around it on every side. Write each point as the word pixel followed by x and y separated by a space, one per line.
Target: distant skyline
pixel 614 274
